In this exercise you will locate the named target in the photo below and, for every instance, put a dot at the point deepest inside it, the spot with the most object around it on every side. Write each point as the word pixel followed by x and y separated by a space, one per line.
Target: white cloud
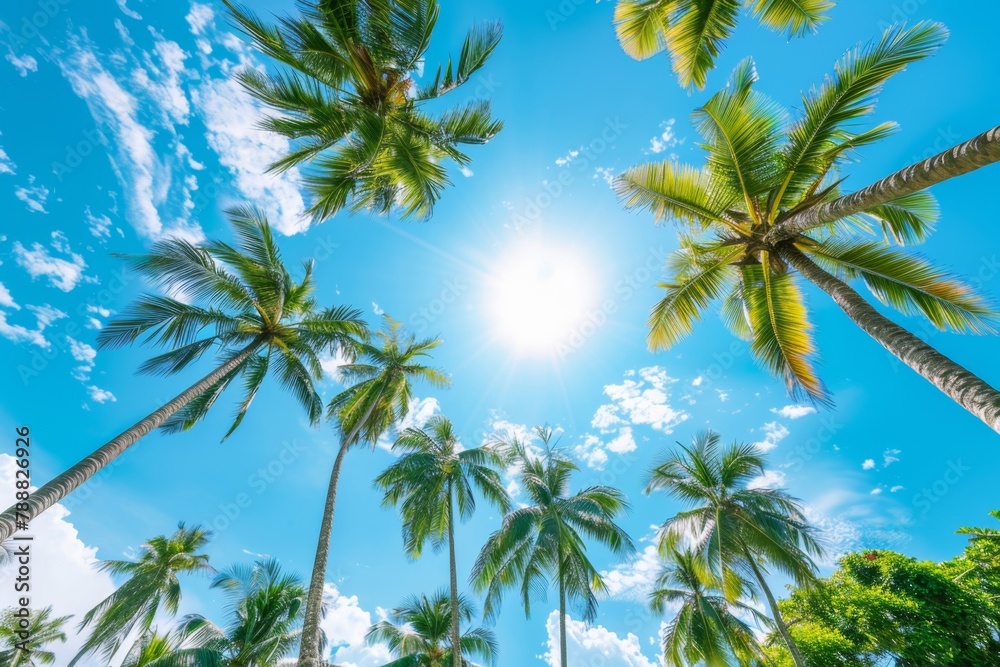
pixel 889 457
pixel 33 196
pixel 697 381
pixel 63 274
pixel 794 411
pixel 200 17
pixel 147 177
pixel 161 78
pixel 665 139
pixel 868 464
pixel 345 625
pixel 231 117
pixel 771 479
pixel 593 645
pixel 468 173
pixel 896 489
pixel 606 174
pixel 6 300
pixel 23 64
pixel 774 432
pixel 99 395
pixel 99 225
pixel 66 569
pixel 569 157
pixel 876 491
pixel 640 401
pixel 6 165
pixel 593 451
pixel 132 14
pixel 44 316
pixel 83 353
pixel 634 579
pixel 421 409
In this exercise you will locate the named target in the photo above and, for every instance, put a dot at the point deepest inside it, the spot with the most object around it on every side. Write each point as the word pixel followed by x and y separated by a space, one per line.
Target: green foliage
pixel 265 611
pixel 240 296
pixel 760 169
pixel 695 31
pixel 881 605
pixel 151 586
pixel 418 633
pixel 42 630
pixel 380 391
pixel 345 94
pixel 544 540
pixel 433 475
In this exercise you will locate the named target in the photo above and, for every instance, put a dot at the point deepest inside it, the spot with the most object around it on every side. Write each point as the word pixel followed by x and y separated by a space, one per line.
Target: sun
pixel 539 295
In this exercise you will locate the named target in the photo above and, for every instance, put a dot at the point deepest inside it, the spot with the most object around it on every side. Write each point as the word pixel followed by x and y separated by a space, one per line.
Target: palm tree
pixel 265 612
pixel 25 646
pixel 154 650
pixel 545 539
pixel 741 240
pixel 252 313
pixel 739 528
pixel 704 630
pixel 378 398
pixel 346 94
pixel 433 474
pixel 151 585
pixel 694 30
pixel 418 633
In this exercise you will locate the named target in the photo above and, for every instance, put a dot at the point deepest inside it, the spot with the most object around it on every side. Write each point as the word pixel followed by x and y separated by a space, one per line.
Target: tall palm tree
pixel 151 585
pixel 246 307
pixel 704 630
pixel 347 95
pixel 25 647
pixel 378 398
pixel 546 539
pixel 418 633
pixel 694 30
pixel 741 240
pixel 740 529
pixel 265 613
pixel 433 474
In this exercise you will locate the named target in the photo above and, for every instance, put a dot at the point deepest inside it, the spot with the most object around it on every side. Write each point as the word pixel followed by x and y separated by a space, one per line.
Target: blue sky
pixel 120 124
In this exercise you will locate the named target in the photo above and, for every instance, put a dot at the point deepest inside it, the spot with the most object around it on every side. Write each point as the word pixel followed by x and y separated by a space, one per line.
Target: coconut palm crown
pixel 347 96
pixel 694 31
pixel 761 170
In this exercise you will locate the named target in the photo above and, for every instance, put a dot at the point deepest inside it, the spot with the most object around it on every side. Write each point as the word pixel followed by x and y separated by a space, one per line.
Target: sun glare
pixel 540 294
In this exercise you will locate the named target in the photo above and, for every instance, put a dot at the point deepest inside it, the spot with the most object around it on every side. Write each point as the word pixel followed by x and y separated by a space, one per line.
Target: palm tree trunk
pixel 563 657
pixel 456 634
pixel 310 639
pixel 961 159
pixel 793 649
pixel 65 483
pixel 966 389
pixel 309 644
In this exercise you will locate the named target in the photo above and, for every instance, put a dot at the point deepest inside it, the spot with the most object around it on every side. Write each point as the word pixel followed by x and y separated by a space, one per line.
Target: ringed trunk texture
pixel 309 644
pixel 779 622
pixel 963 387
pixel 68 481
pixel 456 633
pixel 563 657
pixel 961 159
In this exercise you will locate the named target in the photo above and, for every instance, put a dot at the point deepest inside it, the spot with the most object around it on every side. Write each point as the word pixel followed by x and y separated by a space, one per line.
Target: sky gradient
pixel 120 124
